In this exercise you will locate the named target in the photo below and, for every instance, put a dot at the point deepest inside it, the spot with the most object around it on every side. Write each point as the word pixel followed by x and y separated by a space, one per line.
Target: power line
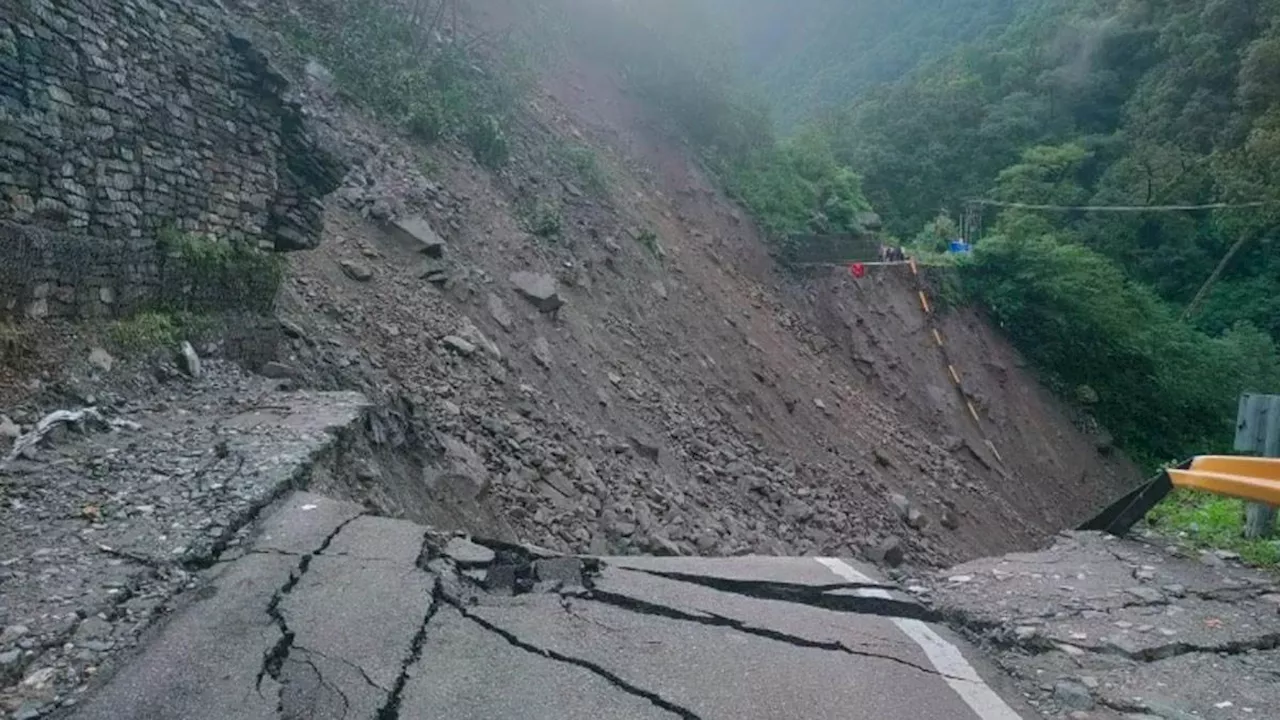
pixel 1125 208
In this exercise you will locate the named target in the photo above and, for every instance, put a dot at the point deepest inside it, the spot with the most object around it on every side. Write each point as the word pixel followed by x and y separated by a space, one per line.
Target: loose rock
pixel 541 351
pixel 469 332
pixel 101 359
pixel 917 520
pixel 889 552
pixel 539 289
pixel 279 371
pixel 1072 695
pixel 189 361
pixel 901 505
pixel 647 450
pixel 499 312
pixel 468 554
pixel 418 230
pixel 459 345
pixel 562 571
pixel 356 271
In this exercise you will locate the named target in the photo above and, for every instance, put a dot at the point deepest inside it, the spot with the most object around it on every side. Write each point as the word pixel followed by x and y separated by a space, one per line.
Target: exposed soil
pixel 688 397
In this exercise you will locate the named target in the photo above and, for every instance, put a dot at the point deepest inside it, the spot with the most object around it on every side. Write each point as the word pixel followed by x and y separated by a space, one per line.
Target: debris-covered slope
pixel 687 397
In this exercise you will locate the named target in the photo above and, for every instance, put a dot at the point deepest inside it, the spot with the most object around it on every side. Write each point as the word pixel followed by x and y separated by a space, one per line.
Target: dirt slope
pixel 687 398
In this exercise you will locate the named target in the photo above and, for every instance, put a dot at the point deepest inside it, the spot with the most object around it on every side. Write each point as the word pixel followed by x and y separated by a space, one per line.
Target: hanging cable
pixel 1126 208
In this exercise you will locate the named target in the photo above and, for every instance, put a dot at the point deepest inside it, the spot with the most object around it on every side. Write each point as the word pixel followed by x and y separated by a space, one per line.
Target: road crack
pixel 391 709
pixel 344 661
pixel 819 596
pixel 273 660
pixel 1269 641
pixel 598 670
pixel 643 607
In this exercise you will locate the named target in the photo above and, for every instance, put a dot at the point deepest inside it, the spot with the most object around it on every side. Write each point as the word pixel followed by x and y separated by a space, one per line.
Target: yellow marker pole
pixel 974 412
pixel 954 375
pixel 938 336
pixel 912 262
pixel 924 303
pixel 994 450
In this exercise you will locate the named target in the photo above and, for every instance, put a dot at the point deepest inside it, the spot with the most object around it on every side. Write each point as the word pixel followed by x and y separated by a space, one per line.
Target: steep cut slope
pixel 686 398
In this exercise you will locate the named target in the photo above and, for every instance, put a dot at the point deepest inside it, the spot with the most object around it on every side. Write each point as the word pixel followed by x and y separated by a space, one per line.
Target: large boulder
pixel 417 231
pixel 540 289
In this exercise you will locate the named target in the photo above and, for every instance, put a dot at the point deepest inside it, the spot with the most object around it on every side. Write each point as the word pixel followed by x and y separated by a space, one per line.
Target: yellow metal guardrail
pixel 1255 479
pixel 1248 478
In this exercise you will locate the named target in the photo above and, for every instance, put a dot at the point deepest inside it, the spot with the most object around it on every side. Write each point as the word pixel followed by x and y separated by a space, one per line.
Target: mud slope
pixel 1024 440
pixel 686 399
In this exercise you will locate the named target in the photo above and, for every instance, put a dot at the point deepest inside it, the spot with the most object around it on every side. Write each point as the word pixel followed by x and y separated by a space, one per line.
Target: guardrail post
pixel 1258 433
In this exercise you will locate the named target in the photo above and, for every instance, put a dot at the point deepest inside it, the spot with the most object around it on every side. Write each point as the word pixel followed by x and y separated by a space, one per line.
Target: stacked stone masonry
pixel 121 120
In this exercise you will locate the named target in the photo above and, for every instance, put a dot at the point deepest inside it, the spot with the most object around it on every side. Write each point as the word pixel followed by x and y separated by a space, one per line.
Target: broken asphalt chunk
pixel 468 554
pixel 565 572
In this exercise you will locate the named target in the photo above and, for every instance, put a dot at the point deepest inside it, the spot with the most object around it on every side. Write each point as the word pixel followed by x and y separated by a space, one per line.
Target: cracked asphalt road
pixel 1125 629
pixel 336 614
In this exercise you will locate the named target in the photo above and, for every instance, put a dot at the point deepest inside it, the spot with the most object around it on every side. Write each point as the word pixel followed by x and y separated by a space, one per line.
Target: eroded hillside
pixel 688 397
pixel 587 346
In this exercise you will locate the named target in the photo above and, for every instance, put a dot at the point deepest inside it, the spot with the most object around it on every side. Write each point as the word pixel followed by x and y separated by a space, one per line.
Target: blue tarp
pixel 960 247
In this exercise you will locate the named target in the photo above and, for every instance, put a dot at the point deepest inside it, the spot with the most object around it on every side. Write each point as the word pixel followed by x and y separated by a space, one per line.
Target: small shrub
pixel 586 166
pixel 155 329
pixel 427 121
pixel 542 219
pixel 1208 521
pixel 14 342
pixel 145 331
pixel 488 142
pixel 203 274
pixel 434 87
pixel 946 288
pixel 648 239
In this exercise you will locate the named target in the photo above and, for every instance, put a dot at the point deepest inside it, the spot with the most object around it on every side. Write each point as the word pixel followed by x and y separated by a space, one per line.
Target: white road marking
pixel 946 657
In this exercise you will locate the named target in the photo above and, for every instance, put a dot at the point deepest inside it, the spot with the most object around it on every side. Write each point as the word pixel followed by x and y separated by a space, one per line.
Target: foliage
pixel 586 166
pixel 541 218
pixel 146 331
pixel 203 274
pixel 488 142
pixel 412 73
pixel 675 55
pixel 795 187
pixel 14 342
pixel 810 55
pixel 1164 388
pixel 1071 103
pixel 648 239
pixel 1210 521
pixel 1096 102
pixel 153 330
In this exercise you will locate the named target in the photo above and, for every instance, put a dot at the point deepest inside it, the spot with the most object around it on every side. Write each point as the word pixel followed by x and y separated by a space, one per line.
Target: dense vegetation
pixel 410 65
pixel 1076 102
pixel 811 55
pixel 914 107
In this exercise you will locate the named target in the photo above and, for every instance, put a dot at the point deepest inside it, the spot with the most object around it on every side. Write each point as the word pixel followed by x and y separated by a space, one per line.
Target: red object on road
pixel 858 270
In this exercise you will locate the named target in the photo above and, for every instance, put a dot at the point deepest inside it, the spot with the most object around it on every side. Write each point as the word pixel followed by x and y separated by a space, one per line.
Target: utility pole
pixel 1258 433
pixel 971 223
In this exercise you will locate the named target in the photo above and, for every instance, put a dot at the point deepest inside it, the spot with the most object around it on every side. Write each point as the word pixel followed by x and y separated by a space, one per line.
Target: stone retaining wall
pixel 124 119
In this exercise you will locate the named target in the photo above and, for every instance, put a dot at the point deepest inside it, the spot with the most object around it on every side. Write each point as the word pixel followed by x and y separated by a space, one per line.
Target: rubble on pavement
pixel 1096 627
pixel 104 524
